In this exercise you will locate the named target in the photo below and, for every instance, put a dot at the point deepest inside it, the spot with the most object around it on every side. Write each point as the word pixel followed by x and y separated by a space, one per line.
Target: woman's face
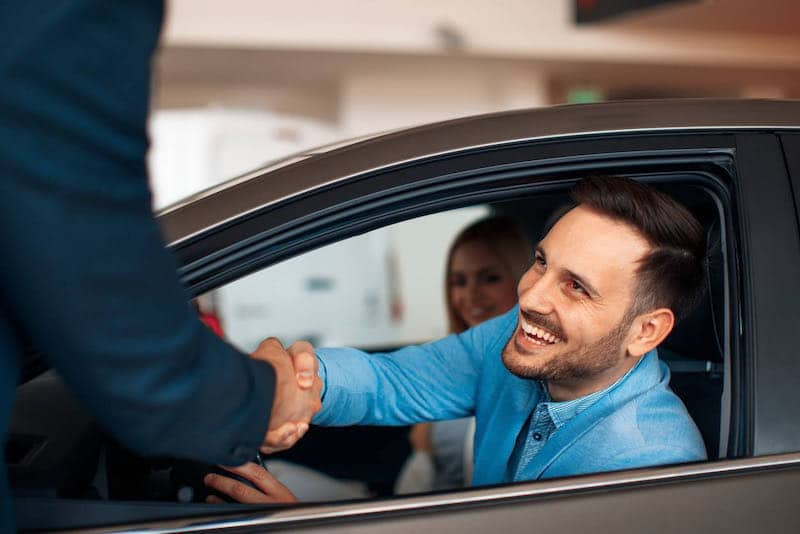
pixel 480 286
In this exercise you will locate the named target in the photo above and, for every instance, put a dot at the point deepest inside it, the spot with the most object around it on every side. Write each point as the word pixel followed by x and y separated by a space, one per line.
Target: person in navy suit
pixel 84 274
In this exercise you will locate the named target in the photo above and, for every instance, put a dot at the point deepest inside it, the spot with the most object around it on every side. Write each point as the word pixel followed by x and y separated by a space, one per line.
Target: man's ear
pixel 649 330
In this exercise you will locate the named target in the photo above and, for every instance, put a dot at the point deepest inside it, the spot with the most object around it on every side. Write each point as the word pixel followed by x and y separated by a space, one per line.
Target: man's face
pixel 573 323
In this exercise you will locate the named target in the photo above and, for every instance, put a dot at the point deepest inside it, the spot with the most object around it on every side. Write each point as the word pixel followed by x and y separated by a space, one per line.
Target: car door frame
pixel 755 183
pixel 697 491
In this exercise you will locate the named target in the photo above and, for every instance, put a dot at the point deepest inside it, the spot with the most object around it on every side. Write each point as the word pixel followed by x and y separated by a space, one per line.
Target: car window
pixel 383 290
pixel 376 290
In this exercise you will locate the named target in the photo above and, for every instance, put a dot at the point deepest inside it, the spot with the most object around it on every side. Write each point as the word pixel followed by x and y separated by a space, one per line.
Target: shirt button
pixel 537 436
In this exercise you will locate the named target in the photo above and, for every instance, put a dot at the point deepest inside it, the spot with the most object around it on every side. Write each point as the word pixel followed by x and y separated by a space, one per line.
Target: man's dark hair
pixel 672 274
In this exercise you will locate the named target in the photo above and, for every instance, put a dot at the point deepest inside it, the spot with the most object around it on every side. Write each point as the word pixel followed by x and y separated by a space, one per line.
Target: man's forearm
pixel 411 385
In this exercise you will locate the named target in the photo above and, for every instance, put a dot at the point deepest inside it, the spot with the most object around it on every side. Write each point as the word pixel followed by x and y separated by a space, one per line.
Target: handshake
pixel 297 392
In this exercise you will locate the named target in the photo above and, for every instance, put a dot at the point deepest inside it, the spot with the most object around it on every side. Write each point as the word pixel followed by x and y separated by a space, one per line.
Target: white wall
pixel 194 149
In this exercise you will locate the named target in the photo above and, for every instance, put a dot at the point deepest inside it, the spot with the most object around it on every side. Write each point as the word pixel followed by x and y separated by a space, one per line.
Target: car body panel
pixel 727 496
pixel 770 244
pixel 791 151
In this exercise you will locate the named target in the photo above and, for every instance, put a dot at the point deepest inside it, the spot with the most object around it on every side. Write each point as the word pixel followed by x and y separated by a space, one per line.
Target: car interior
pixel 56 451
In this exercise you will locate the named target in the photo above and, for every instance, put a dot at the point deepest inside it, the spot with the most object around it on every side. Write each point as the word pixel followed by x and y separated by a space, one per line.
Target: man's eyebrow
pixel 581 280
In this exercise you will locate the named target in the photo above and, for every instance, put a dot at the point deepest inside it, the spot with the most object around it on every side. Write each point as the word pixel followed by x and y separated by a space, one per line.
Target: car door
pixel 725 153
pixel 754 483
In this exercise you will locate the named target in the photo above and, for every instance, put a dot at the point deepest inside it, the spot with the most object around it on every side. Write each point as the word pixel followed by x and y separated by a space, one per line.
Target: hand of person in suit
pixel 297 392
pixel 267 488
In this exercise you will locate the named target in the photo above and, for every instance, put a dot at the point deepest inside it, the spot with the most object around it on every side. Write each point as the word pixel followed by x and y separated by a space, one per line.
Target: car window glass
pixel 377 290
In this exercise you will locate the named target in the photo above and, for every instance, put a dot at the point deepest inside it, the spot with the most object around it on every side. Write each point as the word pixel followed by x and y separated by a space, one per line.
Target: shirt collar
pixel 561 412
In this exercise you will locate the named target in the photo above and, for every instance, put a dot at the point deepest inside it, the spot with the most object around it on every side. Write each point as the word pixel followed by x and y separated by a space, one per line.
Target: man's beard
pixel 586 362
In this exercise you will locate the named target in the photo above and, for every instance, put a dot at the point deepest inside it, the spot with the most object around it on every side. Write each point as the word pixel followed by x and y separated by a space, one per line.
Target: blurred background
pixel 242 82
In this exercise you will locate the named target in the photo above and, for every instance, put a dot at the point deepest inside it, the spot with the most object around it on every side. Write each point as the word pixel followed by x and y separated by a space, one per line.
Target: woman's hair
pixel 507 241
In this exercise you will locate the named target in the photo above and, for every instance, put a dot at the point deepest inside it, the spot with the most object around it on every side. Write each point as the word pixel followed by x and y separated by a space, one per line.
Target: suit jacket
pixel 637 422
pixel 84 274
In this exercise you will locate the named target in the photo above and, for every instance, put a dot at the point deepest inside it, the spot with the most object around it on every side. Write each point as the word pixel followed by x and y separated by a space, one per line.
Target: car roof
pixel 332 163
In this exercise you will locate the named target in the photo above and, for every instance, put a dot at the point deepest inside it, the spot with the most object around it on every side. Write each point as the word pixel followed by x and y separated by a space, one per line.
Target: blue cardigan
pixel 638 422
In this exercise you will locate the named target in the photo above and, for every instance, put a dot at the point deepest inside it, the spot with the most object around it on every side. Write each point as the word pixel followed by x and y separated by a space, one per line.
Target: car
pixel 734 163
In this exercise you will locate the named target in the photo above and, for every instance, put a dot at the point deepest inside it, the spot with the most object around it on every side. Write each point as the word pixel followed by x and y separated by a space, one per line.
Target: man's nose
pixel 536 294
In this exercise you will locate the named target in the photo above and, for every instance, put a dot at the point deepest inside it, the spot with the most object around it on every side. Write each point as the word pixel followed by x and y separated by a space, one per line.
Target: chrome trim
pixel 182 222
pixel 476 496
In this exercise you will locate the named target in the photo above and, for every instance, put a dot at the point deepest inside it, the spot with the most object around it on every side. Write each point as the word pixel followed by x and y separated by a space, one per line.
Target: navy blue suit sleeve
pixel 84 272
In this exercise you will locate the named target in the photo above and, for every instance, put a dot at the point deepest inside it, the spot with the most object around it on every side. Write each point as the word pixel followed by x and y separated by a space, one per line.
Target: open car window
pixel 384 289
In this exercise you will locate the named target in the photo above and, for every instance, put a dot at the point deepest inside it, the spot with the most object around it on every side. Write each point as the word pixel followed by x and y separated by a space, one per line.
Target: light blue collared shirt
pixel 546 418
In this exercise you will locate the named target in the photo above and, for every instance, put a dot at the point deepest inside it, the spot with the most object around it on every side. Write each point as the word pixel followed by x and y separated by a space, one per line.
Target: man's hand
pixel 297 392
pixel 268 488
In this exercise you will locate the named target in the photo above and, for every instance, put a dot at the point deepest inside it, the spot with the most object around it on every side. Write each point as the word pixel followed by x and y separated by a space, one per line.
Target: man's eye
pixel 576 286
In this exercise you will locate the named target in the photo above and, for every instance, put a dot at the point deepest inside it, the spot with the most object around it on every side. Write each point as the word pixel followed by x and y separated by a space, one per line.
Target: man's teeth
pixel 539 334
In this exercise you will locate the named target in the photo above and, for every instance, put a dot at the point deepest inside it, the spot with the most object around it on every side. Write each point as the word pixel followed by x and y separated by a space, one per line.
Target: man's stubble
pixel 584 363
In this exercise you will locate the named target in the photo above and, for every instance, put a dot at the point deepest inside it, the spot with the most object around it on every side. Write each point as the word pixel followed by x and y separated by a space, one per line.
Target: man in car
pixel 569 381
pixel 84 275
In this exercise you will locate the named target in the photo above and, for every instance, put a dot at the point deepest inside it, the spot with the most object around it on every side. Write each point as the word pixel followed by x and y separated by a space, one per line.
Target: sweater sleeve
pixel 418 383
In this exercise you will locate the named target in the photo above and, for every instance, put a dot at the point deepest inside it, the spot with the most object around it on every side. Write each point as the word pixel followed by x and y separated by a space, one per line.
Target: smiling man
pixel 578 303
pixel 569 381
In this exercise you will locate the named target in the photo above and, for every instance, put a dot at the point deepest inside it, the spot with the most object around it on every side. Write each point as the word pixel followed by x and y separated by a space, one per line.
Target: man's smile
pixel 536 333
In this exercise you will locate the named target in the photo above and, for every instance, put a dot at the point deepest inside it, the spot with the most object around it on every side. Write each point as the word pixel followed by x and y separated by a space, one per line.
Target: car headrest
pixel 700 335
